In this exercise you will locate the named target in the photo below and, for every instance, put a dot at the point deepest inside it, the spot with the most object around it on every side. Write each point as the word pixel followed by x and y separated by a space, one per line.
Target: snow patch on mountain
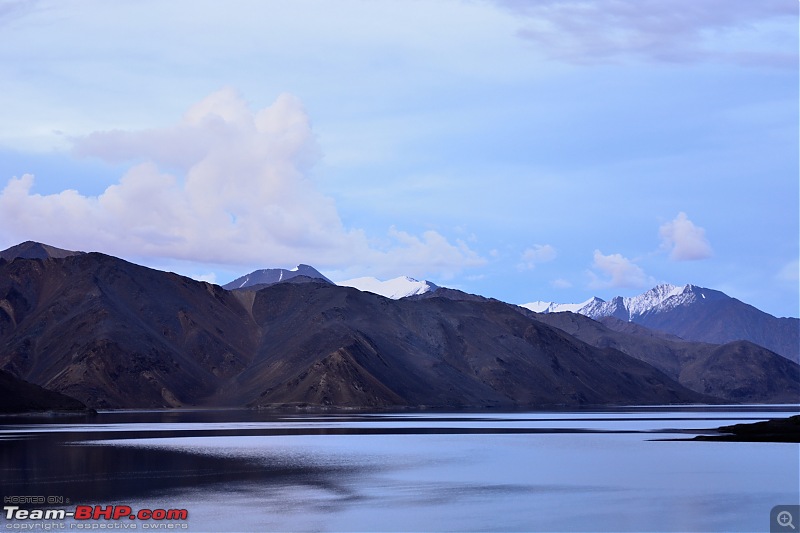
pixel 396 288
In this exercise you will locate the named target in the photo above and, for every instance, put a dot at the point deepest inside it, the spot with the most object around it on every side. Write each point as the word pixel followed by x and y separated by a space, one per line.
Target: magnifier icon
pixel 784 519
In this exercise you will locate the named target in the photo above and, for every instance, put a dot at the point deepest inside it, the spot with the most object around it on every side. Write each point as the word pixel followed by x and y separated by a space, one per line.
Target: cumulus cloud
pixel 225 185
pixel 538 253
pixel 739 31
pixel 684 240
pixel 617 271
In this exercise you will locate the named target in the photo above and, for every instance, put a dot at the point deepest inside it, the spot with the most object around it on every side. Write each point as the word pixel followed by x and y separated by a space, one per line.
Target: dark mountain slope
pixel 22 397
pixel 435 352
pixel 114 334
pixel 725 319
pixel 741 371
pixel 695 365
pixel 738 371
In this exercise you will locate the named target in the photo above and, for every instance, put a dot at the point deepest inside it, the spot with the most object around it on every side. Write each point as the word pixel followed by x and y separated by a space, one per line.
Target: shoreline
pixel 773 430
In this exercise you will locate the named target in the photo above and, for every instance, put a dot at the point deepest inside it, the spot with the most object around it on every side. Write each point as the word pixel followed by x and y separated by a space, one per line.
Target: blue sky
pixel 547 150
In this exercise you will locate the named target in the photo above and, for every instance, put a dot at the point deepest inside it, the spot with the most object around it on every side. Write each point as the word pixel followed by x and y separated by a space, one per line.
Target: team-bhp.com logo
pixel 88 517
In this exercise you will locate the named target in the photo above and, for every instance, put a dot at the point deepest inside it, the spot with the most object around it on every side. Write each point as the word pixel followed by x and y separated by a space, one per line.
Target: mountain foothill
pixel 92 331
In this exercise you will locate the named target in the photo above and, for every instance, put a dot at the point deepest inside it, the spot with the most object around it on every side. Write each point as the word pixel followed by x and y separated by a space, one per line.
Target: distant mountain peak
pixel 552 307
pixel 396 288
pixel 35 250
pixel 693 313
pixel 269 276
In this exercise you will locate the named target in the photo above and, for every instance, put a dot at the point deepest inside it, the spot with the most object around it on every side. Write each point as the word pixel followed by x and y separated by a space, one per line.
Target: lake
pixel 591 470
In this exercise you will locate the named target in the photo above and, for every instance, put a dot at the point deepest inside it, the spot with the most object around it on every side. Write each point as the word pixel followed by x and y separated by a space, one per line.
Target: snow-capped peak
pixel 656 298
pixel 399 287
pixel 552 307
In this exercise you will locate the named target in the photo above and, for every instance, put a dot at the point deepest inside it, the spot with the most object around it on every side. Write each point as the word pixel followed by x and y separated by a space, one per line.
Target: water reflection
pixel 86 473
pixel 553 471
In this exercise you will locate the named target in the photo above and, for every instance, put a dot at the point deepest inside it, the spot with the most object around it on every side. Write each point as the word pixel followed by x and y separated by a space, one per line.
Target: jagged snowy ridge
pixel 551 307
pixel 659 298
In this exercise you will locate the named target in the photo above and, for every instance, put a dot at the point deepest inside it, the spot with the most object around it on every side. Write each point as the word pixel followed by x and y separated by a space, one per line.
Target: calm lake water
pixel 603 470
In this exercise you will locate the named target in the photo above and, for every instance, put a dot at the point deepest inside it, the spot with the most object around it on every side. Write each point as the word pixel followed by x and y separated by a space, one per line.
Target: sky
pixel 523 150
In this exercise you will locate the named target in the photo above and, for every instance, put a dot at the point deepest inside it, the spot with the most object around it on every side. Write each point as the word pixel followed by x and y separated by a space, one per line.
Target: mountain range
pixel 113 334
pixel 692 313
pixel 399 287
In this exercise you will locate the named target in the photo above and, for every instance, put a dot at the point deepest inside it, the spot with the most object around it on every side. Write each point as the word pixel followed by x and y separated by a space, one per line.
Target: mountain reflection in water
pixel 600 470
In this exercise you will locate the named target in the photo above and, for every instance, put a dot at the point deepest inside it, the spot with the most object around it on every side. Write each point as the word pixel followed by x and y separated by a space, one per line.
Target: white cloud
pixel 561 283
pixel 618 271
pixel 225 186
pixel 210 277
pixel 684 240
pixel 737 31
pixel 539 253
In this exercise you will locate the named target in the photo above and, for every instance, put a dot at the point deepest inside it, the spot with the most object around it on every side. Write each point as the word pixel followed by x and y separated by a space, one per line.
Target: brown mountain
pixel 115 334
pixel 367 350
pixel 35 250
